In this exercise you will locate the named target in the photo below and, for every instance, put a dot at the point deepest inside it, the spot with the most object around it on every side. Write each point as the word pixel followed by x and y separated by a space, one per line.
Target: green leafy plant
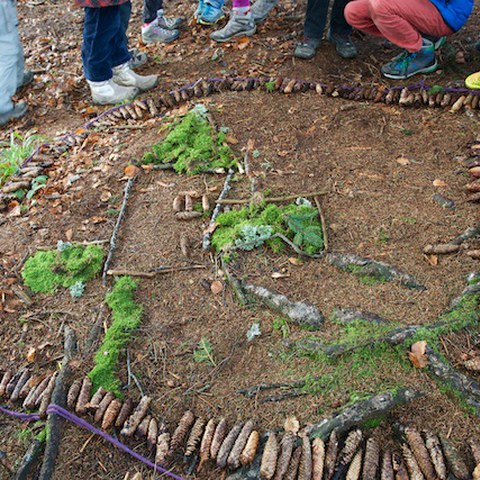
pixel 270 86
pixel 37 184
pixel 127 316
pixel 305 227
pixel 253 236
pixel 14 152
pixel 204 352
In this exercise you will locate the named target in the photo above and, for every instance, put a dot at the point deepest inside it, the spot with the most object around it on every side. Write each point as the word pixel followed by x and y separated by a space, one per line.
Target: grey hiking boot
pixel 18 111
pixel 261 9
pixel 168 23
pixel 138 58
pixel 237 26
pixel 343 45
pixel 307 48
pixel 123 75
pixel 153 32
pixel 110 93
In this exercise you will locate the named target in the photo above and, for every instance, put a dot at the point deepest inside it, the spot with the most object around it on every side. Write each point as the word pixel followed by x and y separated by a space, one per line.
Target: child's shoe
pixel 237 26
pixel 261 9
pixel 109 92
pixel 18 110
pixel 168 23
pixel 26 79
pixel 123 75
pixel 212 12
pixel 199 11
pixel 153 32
pixel 307 48
pixel 408 64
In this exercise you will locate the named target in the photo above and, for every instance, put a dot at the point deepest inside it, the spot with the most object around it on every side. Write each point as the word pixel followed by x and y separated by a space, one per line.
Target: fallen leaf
pixel 231 139
pixel 439 183
pixel 105 196
pixel 31 355
pixel 417 354
pixel 403 161
pixel 131 170
pixel 242 43
pixel 296 261
pixel 291 425
pixel 277 275
pixel 69 234
pixel 432 260
pixel 216 287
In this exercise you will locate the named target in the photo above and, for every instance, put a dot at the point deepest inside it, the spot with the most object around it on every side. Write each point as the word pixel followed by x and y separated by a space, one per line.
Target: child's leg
pixel 315 18
pixel 358 15
pixel 338 23
pixel 10 49
pixel 241 7
pixel 150 9
pixel 241 23
pixel 104 43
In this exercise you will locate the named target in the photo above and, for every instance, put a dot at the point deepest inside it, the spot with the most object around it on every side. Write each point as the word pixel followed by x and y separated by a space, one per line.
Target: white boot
pixel 124 75
pixel 108 92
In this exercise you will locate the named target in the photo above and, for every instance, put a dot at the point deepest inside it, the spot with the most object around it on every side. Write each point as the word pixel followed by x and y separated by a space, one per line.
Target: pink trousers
pixel 400 21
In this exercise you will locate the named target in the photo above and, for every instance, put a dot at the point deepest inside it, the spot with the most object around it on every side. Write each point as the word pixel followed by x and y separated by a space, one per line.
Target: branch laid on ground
pixel 454 245
pixel 216 212
pixel 133 273
pixel 467 235
pixel 96 330
pixel 300 312
pixel 252 392
pixel 59 397
pixel 348 315
pixel 466 386
pixel 29 460
pixel 372 268
pixel 113 239
pixel 286 198
pixel 362 411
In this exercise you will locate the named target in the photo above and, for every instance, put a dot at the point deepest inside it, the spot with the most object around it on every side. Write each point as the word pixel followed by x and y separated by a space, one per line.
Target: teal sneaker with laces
pixel 212 12
pixel 408 64
pixel 199 11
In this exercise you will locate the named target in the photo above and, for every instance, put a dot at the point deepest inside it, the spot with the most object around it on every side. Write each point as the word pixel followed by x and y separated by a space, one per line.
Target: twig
pixel 324 225
pixel 132 375
pixel 272 199
pixel 133 273
pixel 234 282
pixel 252 392
pixel 283 396
pixel 54 423
pixel 113 239
pixel 297 249
pixel 226 188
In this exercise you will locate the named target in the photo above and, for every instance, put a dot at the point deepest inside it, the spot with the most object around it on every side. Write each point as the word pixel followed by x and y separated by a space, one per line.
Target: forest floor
pixel 381 165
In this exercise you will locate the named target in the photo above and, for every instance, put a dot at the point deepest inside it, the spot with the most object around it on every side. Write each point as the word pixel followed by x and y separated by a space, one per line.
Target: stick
pixel 54 423
pixel 134 273
pixel 324 225
pixel 234 283
pixel 297 249
pixel 360 412
pixel 226 188
pixel 467 235
pixel 29 460
pixel 272 199
pixel 113 239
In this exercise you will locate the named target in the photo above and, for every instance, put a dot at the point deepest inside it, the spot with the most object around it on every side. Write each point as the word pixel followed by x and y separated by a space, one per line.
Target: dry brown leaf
pixel 231 139
pixel 105 196
pixel 276 275
pixel 69 234
pixel 216 287
pixel 417 354
pixel 31 355
pixel 439 183
pixel 403 161
pixel 130 171
pixel 242 43
pixel 296 261
pixel 432 259
pixel 291 425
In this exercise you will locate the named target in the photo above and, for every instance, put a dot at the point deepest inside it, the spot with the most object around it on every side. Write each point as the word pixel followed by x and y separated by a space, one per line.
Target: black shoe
pixel 18 110
pixel 343 45
pixel 307 48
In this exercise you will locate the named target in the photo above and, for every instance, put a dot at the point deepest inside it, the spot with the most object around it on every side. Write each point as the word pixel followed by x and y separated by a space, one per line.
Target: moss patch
pixel 48 270
pixel 247 226
pixel 193 146
pixel 126 318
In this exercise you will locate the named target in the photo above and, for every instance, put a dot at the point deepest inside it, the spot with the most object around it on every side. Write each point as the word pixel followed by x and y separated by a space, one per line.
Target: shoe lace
pixel 168 22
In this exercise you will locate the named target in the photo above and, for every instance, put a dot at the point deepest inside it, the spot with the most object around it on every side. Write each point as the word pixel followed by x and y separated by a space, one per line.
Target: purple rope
pixel 52 408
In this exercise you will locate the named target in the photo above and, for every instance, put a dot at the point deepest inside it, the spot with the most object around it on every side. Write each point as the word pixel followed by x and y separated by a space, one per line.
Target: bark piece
pixel 348 315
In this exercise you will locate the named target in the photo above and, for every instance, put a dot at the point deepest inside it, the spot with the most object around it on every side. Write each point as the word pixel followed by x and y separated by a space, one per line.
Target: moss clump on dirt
pixel 255 225
pixel 365 278
pixel 126 318
pixel 193 146
pixel 47 270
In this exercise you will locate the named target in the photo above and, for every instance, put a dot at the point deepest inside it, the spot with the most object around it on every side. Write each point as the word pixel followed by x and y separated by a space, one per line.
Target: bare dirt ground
pixel 378 207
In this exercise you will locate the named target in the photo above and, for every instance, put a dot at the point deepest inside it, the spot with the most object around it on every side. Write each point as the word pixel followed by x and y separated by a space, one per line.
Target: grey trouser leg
pixel 11 55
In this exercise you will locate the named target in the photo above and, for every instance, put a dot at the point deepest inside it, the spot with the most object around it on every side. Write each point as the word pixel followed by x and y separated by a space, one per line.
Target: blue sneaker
pixel 199 11
pixel 408 64
pixel 212 12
